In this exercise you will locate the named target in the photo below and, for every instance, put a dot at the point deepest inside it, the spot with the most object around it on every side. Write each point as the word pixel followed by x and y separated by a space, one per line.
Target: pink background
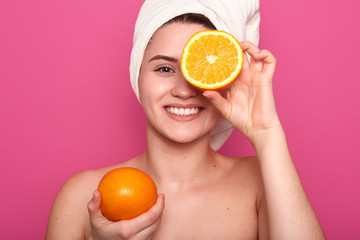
pixel 66 104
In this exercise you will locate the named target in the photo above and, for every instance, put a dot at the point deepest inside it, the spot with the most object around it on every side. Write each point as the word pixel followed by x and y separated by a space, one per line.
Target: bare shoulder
pixel 245 173
pixel 242 166
pixel 249 168
pixel 69 218
pixel 69 210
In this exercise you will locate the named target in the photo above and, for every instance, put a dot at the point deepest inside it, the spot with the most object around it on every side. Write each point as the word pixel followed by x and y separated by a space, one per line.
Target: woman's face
pixel 173 107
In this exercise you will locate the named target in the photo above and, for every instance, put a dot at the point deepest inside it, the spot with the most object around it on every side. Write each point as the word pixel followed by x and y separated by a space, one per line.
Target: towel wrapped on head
pixel 241 18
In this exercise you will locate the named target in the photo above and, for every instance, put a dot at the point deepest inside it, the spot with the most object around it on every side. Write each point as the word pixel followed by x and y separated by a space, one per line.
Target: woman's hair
pixel 193 18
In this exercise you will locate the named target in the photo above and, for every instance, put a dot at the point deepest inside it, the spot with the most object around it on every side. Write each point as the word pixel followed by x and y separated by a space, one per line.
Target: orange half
pixel 212 59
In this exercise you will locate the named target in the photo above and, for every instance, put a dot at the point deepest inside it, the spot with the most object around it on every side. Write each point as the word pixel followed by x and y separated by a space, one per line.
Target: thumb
pixel 94 206
pixel 219 102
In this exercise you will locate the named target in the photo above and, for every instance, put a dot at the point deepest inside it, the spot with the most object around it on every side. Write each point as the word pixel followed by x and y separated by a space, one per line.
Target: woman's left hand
pixel 248 104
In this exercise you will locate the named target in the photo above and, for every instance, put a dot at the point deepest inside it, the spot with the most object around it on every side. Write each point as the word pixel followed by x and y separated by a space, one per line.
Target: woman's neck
pixel 176 166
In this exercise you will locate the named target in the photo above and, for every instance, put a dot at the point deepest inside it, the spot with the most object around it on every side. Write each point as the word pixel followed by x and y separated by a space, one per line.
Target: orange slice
pixel 212 59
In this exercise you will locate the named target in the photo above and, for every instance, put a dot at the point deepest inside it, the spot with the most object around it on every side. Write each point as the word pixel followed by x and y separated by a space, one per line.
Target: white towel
pixel 241 18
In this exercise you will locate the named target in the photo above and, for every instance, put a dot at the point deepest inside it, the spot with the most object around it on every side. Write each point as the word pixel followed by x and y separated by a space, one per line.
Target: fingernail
pixel 206 94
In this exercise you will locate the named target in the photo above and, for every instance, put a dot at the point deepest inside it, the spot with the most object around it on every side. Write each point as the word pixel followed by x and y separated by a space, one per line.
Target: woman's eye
pixel 164 70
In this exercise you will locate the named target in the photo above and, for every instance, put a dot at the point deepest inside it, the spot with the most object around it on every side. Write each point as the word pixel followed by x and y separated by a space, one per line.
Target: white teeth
pixel 183 111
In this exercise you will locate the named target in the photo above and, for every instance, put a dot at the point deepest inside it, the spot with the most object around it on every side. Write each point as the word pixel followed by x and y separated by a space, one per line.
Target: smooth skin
pixel 205 195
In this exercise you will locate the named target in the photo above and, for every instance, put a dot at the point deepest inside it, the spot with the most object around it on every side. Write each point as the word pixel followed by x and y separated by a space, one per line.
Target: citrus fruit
pixel 126 193
pixel 212 59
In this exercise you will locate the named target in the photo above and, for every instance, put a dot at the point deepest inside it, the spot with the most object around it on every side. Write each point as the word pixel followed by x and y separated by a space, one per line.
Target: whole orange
pixel 126 193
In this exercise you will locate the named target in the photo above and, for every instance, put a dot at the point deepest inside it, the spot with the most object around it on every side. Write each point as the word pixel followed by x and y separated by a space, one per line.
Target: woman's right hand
pixel 141 227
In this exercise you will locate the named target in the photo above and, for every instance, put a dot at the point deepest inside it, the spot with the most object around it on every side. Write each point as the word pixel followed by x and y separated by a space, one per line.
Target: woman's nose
pixel 183 89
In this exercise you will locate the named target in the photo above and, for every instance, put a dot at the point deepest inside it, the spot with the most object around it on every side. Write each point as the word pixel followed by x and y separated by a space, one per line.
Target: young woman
pixel 205 195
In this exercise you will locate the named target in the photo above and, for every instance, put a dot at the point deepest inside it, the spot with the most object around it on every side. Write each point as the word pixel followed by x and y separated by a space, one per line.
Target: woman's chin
pixel 182 138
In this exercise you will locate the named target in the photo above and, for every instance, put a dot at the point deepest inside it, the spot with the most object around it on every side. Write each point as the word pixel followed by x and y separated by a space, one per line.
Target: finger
pixel 219 102
pixel 269 60
pixel 139 225
pixel 246 63
pixel 145 233
pixel 148 218
pixel 251 49
pixel 94 205
pixel 96 216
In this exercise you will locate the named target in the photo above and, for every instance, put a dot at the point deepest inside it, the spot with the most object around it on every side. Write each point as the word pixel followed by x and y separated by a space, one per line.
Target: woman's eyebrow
pixel 167 58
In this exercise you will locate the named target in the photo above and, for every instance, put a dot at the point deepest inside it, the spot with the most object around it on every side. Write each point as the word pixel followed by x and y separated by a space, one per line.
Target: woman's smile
pixel 183 112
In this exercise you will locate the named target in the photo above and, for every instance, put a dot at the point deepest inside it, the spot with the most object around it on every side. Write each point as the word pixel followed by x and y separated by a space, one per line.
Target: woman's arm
pixel 249 105
pixel 289 212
